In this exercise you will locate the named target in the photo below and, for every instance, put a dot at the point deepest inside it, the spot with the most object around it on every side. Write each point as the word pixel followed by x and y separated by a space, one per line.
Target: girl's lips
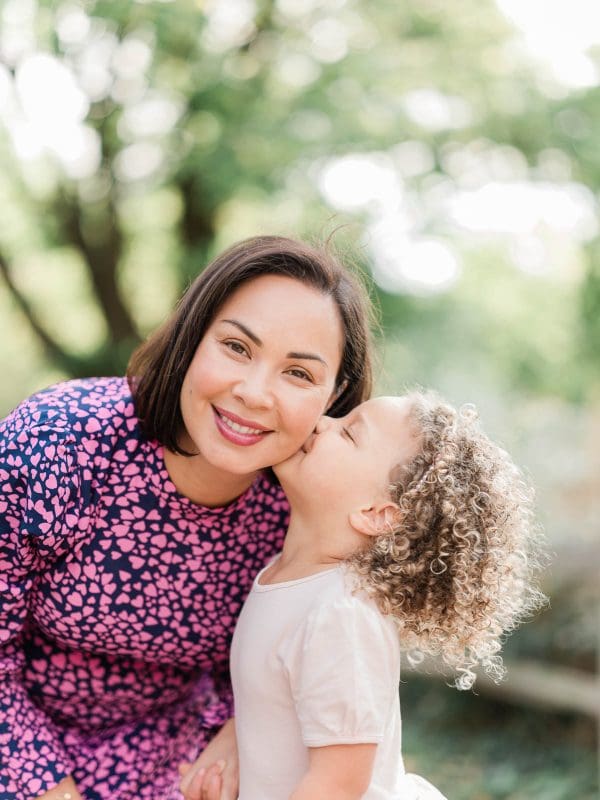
pixel 308 444
pixel 224 422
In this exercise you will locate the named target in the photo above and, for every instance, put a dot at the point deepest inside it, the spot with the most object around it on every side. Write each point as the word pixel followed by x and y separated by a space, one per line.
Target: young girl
pixel 410 529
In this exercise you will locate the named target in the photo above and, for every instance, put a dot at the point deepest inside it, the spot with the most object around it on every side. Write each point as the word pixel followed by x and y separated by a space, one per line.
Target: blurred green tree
pixel 193 117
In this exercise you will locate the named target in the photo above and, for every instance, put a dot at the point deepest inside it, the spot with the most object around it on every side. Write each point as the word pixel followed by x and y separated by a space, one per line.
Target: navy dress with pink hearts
pixel 118 599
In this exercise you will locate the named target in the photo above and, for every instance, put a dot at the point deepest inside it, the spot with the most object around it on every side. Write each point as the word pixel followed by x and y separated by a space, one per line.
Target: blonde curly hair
pixel 457 572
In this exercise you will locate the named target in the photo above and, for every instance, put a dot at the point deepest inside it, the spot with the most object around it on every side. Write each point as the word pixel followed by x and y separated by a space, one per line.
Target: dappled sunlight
pixel 410 265
pixel 358 180
pixel 229 24
pixel 45 112
pixel 532 216
pixel 558 34
pixel 521 207
pixel 435 111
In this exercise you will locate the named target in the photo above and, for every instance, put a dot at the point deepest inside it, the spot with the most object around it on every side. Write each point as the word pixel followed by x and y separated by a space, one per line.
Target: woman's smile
pixel 237 430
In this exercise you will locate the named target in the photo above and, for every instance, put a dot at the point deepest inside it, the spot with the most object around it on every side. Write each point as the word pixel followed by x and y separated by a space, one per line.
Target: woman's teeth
pixel 239 428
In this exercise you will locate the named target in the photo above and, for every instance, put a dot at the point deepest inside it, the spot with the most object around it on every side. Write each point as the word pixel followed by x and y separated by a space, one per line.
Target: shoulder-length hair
pixel 157 368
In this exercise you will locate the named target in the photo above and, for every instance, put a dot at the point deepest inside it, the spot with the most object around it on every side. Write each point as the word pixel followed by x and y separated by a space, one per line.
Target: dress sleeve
pixel 220 709
pixel 38 486
pixel 344 673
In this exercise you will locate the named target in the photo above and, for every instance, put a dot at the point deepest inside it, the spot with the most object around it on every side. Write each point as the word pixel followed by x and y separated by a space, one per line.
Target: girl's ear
pixel 377 519
pixel 336 393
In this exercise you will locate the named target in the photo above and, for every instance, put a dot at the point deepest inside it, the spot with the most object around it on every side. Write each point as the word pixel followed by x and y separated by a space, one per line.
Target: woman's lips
pixel 234 430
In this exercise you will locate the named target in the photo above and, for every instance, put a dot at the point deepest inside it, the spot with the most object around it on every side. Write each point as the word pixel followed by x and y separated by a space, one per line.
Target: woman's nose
pixel 254 390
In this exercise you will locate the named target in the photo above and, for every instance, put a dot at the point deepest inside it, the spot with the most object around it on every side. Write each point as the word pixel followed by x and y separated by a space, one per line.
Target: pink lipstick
pixel 238 430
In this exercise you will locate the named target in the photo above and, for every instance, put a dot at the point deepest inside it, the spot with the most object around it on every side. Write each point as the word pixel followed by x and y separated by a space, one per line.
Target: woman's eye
pixel 236 347
pixel 300 373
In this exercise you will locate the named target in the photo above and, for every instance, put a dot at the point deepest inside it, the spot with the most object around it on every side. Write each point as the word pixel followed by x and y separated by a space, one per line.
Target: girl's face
pixel 262 375
pixel 347 463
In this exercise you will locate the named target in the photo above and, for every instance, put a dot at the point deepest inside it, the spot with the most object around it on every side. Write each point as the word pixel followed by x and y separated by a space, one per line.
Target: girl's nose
pixel 323 424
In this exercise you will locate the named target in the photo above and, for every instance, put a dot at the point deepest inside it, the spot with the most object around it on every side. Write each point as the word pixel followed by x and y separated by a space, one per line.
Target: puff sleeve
pixel 343 668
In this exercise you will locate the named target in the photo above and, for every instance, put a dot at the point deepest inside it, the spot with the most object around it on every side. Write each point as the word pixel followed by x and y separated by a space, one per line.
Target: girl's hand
pixel 215 773
pixel 203 783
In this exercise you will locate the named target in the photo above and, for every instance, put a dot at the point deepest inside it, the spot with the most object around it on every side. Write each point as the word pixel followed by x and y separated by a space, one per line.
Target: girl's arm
pixel 337 772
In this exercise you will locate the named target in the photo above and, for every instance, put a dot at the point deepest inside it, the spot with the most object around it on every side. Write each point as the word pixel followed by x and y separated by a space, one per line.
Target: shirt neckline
pixel 265 587
pixel 161 480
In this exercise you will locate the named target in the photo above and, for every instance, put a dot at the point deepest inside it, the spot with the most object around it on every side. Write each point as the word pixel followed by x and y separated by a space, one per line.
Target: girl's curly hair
pixel 458 571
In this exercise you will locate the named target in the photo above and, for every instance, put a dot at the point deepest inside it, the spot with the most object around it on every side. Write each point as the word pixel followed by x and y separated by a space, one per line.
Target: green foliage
pixel 257 107
pixel 479 750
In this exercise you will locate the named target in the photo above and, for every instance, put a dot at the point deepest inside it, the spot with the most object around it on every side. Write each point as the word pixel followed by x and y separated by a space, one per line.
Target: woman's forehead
pixel 281 309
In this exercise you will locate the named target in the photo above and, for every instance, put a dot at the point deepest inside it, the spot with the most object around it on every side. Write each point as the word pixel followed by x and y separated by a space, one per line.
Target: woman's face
pixel 262 375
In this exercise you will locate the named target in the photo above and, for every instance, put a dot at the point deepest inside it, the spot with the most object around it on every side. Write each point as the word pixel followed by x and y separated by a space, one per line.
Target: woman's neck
pixel 202 483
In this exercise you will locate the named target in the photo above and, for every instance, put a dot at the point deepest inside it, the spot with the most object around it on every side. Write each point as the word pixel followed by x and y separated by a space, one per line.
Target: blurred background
pixel 454 149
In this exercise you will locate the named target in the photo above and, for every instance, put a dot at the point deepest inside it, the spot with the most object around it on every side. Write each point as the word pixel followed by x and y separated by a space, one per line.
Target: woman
pixel 135 514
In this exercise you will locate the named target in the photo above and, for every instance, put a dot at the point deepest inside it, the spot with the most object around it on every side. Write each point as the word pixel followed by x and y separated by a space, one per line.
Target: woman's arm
pixel 337 772
pixel 31 528
pixel 215 774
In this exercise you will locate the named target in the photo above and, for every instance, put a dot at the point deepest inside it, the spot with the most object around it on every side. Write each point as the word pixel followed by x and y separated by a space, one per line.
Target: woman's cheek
pixel 207 373
pixel 305 414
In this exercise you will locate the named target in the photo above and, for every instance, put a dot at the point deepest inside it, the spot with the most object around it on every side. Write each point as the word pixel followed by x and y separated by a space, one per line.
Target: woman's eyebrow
pixel 245 330
pixel 311 356
pixel 258 342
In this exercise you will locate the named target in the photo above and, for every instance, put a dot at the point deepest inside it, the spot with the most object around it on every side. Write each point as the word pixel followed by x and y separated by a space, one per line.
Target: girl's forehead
pixel 390 419
pixel 386 409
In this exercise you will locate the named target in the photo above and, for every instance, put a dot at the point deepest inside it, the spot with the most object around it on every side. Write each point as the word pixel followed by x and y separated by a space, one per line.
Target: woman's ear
pixel 376 519
pixel 336 393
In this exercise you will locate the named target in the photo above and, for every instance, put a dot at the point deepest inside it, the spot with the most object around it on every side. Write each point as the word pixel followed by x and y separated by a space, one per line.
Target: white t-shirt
pixel 313 665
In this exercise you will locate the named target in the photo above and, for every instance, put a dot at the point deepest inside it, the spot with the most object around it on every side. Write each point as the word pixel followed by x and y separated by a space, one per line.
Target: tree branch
pixel 54 350
pixel 533 684
pixel 101 252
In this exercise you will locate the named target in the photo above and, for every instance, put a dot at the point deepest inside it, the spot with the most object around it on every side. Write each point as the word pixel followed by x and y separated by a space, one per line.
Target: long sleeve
pixel 38 485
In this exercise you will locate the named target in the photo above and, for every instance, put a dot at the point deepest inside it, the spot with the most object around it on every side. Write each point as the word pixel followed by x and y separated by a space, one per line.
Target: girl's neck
pixel 202 483
pixel 312 545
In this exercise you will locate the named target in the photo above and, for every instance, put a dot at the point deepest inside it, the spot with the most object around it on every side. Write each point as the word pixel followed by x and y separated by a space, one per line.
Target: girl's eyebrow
pixel 359 420
pixel 258 342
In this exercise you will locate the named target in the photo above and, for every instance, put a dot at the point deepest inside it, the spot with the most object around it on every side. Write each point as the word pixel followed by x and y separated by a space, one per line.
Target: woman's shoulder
pixel 73 410
pixel 269 497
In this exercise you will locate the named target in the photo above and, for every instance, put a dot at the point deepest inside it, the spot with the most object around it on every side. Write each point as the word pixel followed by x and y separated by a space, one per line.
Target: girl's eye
pixel 349 435
pixel 300 373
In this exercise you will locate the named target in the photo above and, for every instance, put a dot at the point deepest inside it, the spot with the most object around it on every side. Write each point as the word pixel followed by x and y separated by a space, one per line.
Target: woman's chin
pixel 286 468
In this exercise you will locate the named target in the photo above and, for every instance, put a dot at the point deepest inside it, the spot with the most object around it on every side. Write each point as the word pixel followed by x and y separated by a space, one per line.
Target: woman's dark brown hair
pixel 157 368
